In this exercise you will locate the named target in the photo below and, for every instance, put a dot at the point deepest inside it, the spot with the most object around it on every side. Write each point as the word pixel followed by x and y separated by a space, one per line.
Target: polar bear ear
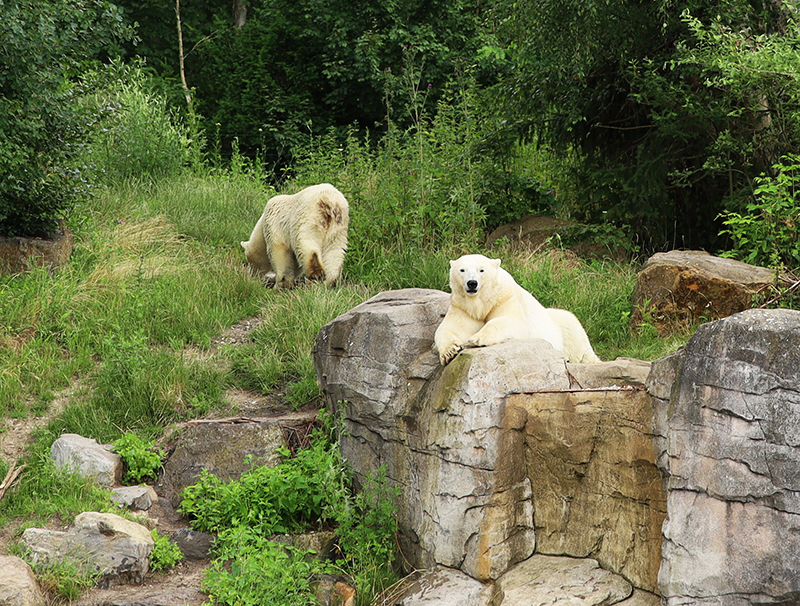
pixel 452 263
pixel 495 262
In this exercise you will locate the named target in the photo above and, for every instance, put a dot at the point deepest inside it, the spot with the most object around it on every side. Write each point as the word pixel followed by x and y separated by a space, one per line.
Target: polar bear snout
pixel 471 287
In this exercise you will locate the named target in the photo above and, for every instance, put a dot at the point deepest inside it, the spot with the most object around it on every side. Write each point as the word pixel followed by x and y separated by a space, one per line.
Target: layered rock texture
pixel 528 480
pixel 728 417
pixel 502 431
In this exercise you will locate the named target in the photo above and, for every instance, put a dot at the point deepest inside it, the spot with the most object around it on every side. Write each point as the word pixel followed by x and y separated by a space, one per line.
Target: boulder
pixel 442 586
pixel 18 586
pixel 194 545
pixel 533 232
pixel 134 497
pixel 542 580
pixel 105 544
pixel 686 286
pixel 19 255
pixel 727 418
pixel 226 448
pixel 87 458
pixel 465 442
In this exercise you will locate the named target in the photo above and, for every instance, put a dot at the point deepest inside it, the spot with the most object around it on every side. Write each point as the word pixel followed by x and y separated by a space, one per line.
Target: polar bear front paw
pixel 477 342
pixel 450 353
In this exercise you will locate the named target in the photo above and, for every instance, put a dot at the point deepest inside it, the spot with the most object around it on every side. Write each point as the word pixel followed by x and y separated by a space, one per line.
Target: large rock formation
pixel 477 444
pixel 728 417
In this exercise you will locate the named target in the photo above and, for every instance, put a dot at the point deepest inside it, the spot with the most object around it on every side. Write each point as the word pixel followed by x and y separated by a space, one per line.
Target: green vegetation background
pixel 654 125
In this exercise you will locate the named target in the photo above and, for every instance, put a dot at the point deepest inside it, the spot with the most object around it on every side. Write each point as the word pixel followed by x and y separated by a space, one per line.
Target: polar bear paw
pixel 451 352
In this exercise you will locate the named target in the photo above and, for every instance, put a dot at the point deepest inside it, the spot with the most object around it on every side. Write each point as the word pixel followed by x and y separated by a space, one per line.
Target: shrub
pixel 769 233
pixel 136 134
pixel 41 125
pixel 139 457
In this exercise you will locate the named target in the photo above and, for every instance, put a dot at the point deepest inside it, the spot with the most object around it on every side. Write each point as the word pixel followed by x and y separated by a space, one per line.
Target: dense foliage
pixel 289 69
pixel 45 44
pixel 675 106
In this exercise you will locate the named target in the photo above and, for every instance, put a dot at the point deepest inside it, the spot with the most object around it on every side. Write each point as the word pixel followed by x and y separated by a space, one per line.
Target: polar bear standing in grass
pixel 487 306
pixel 305 233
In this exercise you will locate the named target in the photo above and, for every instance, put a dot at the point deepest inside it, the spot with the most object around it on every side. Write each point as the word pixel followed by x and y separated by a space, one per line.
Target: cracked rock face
pixel 457 440
pixel 728 425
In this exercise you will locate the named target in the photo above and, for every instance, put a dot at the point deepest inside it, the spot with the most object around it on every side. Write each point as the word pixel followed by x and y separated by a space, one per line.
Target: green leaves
pixel 43 44
pixel 140 458
pixel 768 233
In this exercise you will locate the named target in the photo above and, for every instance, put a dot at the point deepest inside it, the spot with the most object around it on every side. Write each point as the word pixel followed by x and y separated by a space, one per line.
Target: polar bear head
pixel 470 273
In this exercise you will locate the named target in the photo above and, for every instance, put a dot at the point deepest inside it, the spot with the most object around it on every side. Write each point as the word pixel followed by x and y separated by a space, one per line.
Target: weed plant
pixel 307 492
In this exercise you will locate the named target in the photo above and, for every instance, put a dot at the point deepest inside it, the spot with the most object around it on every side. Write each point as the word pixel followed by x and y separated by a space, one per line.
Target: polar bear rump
pixel 301 234
pixel 487 306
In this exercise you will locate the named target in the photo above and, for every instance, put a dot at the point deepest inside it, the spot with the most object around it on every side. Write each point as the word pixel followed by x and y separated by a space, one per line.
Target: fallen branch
pixel 11 476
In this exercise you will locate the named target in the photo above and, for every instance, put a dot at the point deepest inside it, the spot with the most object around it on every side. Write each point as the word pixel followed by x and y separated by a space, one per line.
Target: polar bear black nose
pixel 472 285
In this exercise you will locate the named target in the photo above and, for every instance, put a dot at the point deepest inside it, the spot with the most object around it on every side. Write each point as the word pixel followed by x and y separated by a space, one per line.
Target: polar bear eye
pixel 481 270
pixel 462 270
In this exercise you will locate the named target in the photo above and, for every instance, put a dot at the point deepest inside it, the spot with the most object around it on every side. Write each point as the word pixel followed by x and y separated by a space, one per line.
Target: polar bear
pixel 487 306
pixel 305 233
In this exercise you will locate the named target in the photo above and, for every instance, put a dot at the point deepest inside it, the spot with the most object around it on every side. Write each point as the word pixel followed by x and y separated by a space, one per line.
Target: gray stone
pixel 105 544
pixel 134 497
pixel 442 586
pixel 543 580
pixel 731 459
pixel 224 449
pixel 18 586
pixel 87 458
pixel 455 439
pixel 193 544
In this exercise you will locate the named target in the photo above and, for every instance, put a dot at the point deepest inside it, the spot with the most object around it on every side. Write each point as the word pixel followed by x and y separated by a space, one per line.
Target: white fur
pixel 487 306
pixel 301 234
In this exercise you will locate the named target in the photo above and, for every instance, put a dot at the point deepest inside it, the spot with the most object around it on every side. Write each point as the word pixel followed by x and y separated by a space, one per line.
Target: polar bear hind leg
pixel 577 347
pixel 255 249
pixel 285 264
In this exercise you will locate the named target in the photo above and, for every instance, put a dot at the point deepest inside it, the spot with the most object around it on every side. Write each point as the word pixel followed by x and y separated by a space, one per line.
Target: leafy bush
pixel 165 553
pixel 139 457
pixel 41 125
pixel 769 234
pixel 302 492
pixel 136 135
pixel 252 571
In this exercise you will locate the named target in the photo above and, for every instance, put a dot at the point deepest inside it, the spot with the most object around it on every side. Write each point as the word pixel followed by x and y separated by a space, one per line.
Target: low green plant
pixel 140 457
pixel 769 233
pixel 301 493
pixel 253 571
pixel 367 535
pixel 64 578
pixel 165 553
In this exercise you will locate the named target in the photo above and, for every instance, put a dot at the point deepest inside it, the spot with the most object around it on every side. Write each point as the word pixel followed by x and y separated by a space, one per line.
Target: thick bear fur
pixel 487 306
pixel 301 234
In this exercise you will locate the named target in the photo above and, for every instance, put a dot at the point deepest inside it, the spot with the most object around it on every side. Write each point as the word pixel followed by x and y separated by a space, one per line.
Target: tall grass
pixel 157 270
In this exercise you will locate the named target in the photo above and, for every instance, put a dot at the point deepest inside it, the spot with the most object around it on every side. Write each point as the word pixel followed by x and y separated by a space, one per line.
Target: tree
pixel 294 68
pixel 670 104
pixel 42 46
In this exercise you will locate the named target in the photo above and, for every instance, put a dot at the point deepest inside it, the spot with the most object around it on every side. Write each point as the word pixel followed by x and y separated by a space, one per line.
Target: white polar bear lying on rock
pixel 305 233
pixel 487 306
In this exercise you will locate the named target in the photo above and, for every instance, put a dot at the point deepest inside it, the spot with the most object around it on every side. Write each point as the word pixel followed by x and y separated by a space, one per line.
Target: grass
pixel 157 269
